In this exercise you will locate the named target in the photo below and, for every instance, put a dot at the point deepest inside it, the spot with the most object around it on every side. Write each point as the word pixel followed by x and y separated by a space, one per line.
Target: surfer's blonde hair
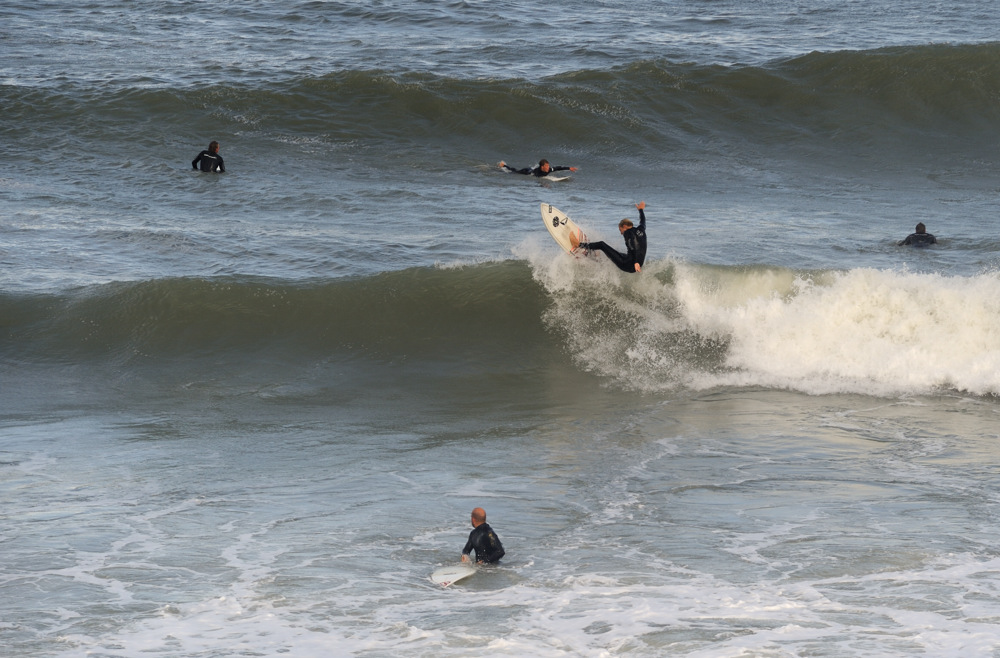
pixel 625 223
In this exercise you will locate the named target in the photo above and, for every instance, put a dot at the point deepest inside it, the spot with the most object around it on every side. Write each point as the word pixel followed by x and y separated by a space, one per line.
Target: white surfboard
pixel 452 573
pixel 555 179
pixel 561 226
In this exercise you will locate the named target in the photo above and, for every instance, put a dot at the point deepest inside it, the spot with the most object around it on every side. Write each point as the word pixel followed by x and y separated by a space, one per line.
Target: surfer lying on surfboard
pixel 635 243
pixel 543 168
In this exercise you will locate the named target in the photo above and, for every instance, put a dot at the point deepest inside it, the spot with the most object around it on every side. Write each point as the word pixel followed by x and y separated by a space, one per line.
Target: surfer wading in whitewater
pixel 635 243
pixel 482 540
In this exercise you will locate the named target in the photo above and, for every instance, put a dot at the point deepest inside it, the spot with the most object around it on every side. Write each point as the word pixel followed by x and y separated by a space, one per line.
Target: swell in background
pixel 888 105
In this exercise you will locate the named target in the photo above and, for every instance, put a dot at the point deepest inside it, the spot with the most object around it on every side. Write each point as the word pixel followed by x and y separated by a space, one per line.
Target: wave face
pixel 420 313
pixel 683 326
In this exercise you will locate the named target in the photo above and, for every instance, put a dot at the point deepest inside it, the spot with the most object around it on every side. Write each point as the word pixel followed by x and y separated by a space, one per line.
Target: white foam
pixel 861 331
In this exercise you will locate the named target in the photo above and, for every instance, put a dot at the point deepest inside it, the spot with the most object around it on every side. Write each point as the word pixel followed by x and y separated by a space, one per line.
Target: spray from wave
pixel 861 331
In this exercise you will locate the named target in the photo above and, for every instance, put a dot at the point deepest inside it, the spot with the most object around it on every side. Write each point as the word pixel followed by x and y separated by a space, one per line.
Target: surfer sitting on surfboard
pixel 635 243
pixel 543 168
pixel 482 540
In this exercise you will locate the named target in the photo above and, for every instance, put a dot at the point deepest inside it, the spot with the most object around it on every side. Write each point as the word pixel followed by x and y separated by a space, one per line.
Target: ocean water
pixel 247 414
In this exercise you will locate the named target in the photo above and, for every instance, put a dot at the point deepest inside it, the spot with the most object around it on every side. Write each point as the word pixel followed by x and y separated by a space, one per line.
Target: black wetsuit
pixel 209 161
pixel 919 239
pixel 635 244
pixel 535 171
pixel 486 544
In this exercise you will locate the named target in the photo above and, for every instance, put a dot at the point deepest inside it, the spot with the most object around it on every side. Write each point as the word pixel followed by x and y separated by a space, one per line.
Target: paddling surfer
pixel 543 168
pixel 920 238
pixel 482 540
pixel 635 243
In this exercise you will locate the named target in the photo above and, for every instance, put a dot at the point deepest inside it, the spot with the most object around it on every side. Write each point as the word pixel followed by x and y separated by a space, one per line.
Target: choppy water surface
pixel 249 413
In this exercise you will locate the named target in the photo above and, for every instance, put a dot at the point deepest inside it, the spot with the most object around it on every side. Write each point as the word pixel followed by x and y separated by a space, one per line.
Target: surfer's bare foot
pixel 574 240
pixel 638 267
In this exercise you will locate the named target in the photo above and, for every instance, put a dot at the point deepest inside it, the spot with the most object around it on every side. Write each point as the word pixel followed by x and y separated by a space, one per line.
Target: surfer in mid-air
pixel 920 238
pixel 482 540
pixel 209 159
pixel 543 168
pixel 635 243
